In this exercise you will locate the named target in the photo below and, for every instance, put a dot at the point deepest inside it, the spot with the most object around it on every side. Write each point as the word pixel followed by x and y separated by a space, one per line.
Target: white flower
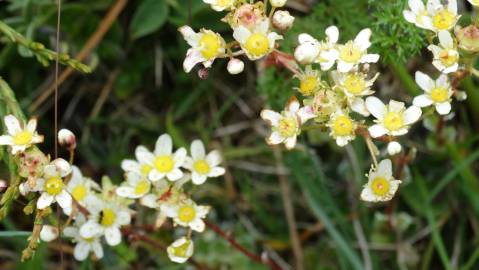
pixel 418 15
pixel 286 126
pixel 188 214
pixel 48 233
pixel 83 245
pixel 474 2
pixel 201 165
pixel 394 148
pixel 80 188
pixel 220 5
pixel 342 128
pixel 258 42
pixel 446 56
pixel 443 17
pixel 277 3
pixel 20 137
pixel 235 66
pixel 381 184
pixel 311 50
pixel 163 162
pixel 393 119
pixel 139 166
pixel 282 20
pixel 52 186
pixel 180 250
pixel 354 52
pixel 437 92
pixel 67 138
pixel 105 219
pixel 206 46
pixel 136 186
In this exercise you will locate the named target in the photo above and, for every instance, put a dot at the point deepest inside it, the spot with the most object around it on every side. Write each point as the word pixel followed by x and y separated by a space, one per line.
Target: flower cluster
pixel 156 179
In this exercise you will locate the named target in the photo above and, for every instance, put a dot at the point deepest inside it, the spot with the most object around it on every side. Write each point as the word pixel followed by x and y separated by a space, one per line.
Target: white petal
pixel 179 157
pixel 412 114
pixel 377 131
pixel 113 236
pixel 193 57
pixel 189 35
pixel 48 233
pixel 175 174
pixel 424 81
pixel 197 150
pixel 417 6
pixel 452 6
pixel 422 101
pixel 376 107
pixel 150 200
pixel 443 108
pixel 129 165
pixel 271 116
pixel 262 26
pixel 241 34
pixel 12 124
pixel 123 218
pixel 290 142
pixel 90 229
pixel 395 106
pixel 97 249
pixel 214 158
pixel 62 166
pixel 71 232
pixel 44 201
pixel 164 145
pixel 344 67
pixel 445 39
pixel 362 39
pixel 303 38
pixel 126 192
pixel 197 225
pixel 367 195
pixel 332 33
pixel 145 157
pixel 443 81
pixel 359 106
pixel 275 138
pixel 81 251
pixel 155 175
pixel 385 168
pixel 409 16
pixel 6 140
pixel 197 178
pixel 293 105
pixel 64 199
pixel 32 125
pixel 216 171
pixel 369 58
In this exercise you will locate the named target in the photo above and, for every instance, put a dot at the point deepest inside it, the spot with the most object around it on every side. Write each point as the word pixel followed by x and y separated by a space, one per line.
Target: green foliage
pixel 148 18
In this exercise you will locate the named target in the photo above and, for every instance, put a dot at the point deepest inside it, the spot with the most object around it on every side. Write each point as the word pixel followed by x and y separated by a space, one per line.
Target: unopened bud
pixel 468 38
pixel 282 20
pixel 278 3
pixel 48 233
pixel 235 66
pixel 63 167
pixel 3 185
pixel 306 53
pixel 203 73
pixel 394 148
pixel 67 138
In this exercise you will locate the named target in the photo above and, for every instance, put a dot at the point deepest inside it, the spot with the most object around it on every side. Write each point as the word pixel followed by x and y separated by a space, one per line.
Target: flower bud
pixel 460 95
pixel 235 66
pixel 3 185
pixel 67 138
pixel 282 20
pixel 468 38
pixel 394 148
pixel 203 73
pixel 63 167
pixel 278 3
pixel 306 53
pixel 180 250
pixel 48 233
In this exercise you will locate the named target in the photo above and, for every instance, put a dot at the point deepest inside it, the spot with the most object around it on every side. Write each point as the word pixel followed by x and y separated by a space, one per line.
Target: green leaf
pixel 148 17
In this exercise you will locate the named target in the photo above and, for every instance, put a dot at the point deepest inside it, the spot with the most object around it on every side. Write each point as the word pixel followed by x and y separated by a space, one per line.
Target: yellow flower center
pixel 257 44
pixel 79 192
pixel 439 94
pixel 164 164
pixel 202 167
pixel 145 169
pixel 393 121
pixel 307 85
pixel 88 239
pixel 350 53
pixel 181 251
pixel 186 213
pixel 287 127
pixel 107 217
pixel 343 126
pixel 380 186
pixel 354 84
pixel 53 186
pixel 22 138
pixel 444 20
pixel 448 59
pixel 210 45
pixel 142 187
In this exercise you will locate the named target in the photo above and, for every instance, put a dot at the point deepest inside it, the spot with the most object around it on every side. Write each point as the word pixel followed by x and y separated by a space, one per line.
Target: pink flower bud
pixel 235 66
pixel 203 73
pixel 282 20
pixel 67 138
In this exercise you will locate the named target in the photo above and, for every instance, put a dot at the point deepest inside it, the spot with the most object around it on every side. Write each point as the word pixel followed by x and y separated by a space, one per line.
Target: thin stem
pixel 371 149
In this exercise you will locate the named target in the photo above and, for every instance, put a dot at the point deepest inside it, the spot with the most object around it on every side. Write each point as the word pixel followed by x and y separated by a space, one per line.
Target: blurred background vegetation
pixel 138 90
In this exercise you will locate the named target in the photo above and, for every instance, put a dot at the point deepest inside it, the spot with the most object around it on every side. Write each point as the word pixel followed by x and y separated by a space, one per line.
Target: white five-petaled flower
pixel 353 53
pixel 220 5
pixel 286 125
pixel 446 56
pixel 443 17
pixel 20 137
pixel 437 92
pixel 84 246
pixel 418 14
pixel 52 186
pixel 311 50
pixel 105 219
pixel 393 119
pixel 201 165
pixel 135 186
pixel 342 128
pixel 257 42
pixel 381 184
pixel 206 46
pixel 80 188
pixel 188 214
pixel 139 166
pixel 180 250
pixel 163 162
